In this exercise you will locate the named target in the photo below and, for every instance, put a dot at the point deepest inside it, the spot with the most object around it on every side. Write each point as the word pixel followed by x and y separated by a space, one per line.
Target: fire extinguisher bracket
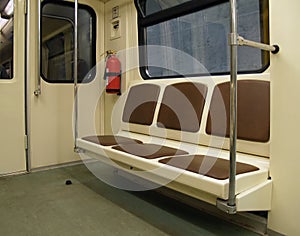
pixel 113 73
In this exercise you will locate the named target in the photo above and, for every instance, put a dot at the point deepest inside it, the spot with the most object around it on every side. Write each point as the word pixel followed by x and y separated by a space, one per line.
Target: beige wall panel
pixel 285 117
pixel 51 131
pixel 127 39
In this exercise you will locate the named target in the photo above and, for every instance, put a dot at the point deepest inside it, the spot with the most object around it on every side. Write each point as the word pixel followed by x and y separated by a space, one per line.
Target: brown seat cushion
pixel 182 106
pixel 110 140
pixel 140 104
pixel 149 151
pixel 253 110
pixel 213 167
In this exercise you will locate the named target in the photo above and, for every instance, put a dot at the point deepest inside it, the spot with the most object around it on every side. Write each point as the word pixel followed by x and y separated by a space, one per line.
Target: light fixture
pixel 2 22
pixel 9 9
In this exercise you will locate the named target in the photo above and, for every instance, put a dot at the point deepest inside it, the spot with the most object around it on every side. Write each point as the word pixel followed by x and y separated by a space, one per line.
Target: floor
pixel 41 203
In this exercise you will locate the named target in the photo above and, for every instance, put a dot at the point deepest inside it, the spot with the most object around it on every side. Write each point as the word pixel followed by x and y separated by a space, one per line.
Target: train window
pixel 177 37
pixel 150 7
pixel 6 39
pixel 57 46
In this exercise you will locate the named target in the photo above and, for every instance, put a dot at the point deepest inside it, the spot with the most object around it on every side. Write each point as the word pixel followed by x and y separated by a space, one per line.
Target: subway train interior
pixel 149 117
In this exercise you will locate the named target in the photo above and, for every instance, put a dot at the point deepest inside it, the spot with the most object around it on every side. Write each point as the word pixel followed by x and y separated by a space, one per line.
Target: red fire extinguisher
pixel 113 73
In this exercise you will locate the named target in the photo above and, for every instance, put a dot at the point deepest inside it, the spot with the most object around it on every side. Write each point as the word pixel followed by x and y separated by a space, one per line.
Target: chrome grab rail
pixel 229 206
pixel 38 90
pixel 245 42
pixel 235 40
pixel 233 105
pixel 75 75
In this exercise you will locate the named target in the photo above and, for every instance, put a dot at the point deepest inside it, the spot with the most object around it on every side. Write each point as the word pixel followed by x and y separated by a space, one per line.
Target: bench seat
pixel 149 151
pixel 213 167
pixel 175 133
pixel 160 173
pixel 109 140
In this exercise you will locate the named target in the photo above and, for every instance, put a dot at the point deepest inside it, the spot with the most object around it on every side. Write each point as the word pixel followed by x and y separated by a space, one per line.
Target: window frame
pixel 93 15
pixel 183 9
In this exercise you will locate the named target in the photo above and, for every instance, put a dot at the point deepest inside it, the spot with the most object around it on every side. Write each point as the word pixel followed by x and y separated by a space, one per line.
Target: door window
pixel 6 39
pixel 57 49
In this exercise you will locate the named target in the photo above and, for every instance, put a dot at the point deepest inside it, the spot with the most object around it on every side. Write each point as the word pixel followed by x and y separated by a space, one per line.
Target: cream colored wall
pixel 51 114
pixel 127 40
pixel 285 117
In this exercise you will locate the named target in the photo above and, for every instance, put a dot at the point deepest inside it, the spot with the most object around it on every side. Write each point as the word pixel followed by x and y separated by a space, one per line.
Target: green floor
pixel 41 204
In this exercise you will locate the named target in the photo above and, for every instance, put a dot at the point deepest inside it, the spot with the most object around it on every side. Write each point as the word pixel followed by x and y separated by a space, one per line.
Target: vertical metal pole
pixel 28 29
pixel 38 89
pixel 233 101
pixel 75 74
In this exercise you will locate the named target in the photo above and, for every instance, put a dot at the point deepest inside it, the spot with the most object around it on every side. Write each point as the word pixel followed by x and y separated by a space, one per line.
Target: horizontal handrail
pixel 245 42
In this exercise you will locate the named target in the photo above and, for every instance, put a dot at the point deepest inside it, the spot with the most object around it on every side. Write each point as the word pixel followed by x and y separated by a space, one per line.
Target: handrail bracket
pixel 233 39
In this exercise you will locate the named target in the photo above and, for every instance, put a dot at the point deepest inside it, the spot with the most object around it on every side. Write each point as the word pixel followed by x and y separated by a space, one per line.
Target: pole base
pixel 223 206
pixel 78 150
